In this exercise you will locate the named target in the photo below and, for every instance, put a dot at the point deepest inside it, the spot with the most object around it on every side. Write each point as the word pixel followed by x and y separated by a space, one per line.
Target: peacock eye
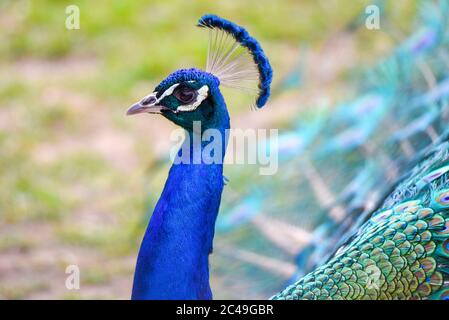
pixel 185 94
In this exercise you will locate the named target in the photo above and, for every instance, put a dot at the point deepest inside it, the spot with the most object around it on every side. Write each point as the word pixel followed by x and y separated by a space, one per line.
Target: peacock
pixel 389 223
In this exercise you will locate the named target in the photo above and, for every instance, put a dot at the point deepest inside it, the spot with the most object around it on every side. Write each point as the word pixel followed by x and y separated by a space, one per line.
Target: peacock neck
pixel 173 258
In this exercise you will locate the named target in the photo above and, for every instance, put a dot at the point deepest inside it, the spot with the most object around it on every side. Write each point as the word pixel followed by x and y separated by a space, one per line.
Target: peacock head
pixel 186 96
pixel 235 59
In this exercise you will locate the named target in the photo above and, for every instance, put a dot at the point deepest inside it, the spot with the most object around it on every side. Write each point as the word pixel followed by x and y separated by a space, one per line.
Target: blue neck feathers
pixel 173 258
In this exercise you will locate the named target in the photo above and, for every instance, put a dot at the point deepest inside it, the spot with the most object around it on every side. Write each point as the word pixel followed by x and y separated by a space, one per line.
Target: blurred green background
pixel 78 178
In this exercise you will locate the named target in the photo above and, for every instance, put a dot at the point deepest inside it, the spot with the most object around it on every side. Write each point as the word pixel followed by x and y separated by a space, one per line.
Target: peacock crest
pixel 237 59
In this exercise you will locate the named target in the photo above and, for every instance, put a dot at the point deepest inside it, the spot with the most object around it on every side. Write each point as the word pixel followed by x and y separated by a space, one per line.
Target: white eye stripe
pixel 202 95
pixel 168 92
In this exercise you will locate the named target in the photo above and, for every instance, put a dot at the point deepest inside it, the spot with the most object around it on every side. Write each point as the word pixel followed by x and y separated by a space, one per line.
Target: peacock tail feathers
pixel 340 165
pixel 401 252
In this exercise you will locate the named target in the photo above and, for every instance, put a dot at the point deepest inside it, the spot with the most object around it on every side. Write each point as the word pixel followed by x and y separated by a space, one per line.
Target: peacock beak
pixel 149 104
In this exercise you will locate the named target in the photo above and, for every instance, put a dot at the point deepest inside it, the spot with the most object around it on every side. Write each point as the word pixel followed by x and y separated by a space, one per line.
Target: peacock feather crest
pixel 236 58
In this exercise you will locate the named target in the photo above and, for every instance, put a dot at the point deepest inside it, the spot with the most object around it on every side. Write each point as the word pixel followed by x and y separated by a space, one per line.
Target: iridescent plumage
pixel 401 252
